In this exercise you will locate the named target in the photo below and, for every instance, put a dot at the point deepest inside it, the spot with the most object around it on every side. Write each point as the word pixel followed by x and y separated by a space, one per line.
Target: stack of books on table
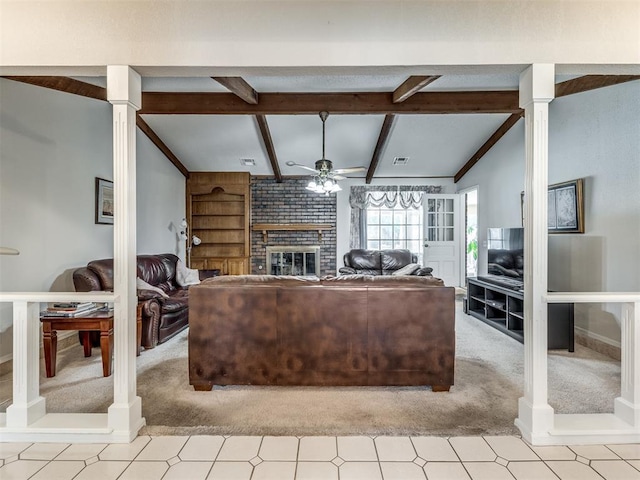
pixel 71 309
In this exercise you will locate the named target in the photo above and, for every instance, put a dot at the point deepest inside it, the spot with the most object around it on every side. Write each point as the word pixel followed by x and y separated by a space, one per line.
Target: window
pixel 396 227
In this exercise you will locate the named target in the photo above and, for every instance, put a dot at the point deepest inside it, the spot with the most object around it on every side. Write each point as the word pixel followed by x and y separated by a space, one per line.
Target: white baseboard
pixel 66 339
pixel 600 338
pixel 599 343
pixel 6 358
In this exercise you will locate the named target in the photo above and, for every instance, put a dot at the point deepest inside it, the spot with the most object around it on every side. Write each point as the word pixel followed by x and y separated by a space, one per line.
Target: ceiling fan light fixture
pixel 323 184
pixel 326 178
pixel 312 186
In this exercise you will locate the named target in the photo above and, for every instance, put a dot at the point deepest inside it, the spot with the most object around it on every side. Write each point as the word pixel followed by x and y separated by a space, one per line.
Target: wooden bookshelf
pixel 218 211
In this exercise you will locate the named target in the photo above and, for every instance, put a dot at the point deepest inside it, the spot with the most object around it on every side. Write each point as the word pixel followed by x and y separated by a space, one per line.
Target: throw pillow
pixel 186 276
pixel 408 269
pixel 142 285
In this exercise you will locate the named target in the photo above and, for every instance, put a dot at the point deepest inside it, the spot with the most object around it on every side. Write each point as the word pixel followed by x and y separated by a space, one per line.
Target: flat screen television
pixel 505 252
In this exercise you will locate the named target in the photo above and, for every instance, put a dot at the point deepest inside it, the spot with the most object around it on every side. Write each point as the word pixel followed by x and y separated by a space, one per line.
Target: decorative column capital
pixel 124 86
pixel 537 84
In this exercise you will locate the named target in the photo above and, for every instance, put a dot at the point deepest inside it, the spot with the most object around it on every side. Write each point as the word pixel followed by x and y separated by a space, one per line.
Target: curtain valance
pixel 407 196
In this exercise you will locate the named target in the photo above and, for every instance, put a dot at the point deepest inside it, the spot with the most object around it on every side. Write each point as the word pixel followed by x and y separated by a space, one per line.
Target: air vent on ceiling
pixel 248 162
pixel 400 160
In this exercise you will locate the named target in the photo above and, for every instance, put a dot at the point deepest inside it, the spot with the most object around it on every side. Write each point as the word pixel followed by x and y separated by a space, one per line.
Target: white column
pixel 537 89
pixel 124 92
pixel 627 406
pixel 28 406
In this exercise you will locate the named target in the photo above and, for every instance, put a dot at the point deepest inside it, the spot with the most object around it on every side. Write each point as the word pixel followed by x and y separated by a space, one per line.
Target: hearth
pixel 293 260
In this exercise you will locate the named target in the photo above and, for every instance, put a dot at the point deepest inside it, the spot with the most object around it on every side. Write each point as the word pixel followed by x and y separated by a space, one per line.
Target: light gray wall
pixel 596 136
pixel 161 191
pixel 52 146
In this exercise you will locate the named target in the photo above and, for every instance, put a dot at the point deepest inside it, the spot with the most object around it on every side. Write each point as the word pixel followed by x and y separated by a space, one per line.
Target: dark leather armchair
pixel 162 317
pixel 381 262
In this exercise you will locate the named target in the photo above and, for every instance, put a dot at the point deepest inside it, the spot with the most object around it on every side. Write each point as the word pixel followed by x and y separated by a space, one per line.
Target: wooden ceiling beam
pixel 411 86
pixel 65 84
pixel 146 129
pixel 493 139
pixel 380 145
pixel 238 86
pixel 268 144
pixel 186 103
pixel 591 82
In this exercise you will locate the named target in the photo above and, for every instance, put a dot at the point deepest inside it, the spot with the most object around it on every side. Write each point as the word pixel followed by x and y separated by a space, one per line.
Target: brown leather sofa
pixel 345 330
pixel 380 262
pixel 162 318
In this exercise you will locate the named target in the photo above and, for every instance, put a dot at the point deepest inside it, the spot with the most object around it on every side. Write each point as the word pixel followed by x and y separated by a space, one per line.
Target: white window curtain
pixel 361 197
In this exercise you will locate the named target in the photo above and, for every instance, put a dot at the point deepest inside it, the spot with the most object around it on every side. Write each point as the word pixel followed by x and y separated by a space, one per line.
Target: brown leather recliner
pixel 380 262
pixel 162 317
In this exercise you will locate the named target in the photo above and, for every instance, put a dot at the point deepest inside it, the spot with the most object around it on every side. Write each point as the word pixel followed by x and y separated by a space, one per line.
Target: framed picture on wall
pixel 104 201
pixel 565 207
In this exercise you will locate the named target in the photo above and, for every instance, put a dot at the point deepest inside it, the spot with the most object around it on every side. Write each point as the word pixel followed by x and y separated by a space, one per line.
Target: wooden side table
pixel 100 321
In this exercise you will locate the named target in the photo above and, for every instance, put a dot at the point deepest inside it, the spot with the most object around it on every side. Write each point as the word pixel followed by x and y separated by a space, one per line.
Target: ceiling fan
pixel 324 180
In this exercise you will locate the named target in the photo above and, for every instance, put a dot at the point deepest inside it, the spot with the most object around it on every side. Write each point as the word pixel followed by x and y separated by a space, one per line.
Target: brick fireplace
pixel 290 203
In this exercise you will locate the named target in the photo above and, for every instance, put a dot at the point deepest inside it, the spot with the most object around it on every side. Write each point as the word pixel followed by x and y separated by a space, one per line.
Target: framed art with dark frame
pixel 566 207
pixel 104 201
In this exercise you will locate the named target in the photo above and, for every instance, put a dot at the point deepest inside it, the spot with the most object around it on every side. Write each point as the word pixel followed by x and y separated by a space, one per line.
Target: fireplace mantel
pixel 266 227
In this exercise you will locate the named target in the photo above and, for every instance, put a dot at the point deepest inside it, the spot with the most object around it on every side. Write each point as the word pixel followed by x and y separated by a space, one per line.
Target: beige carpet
pixel 488 382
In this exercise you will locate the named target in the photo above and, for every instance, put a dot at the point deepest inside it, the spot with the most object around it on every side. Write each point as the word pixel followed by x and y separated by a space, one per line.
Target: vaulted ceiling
pixel 442 124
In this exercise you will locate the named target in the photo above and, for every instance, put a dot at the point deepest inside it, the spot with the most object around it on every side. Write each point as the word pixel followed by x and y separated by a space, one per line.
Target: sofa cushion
pixel 103 269
pixel 394 259
pixel 406 270
pixel 142 285
pixel 424 271
pixel 365 261
pixel 153 269
pixel 175 303
pixel 186 276
pixel 383 281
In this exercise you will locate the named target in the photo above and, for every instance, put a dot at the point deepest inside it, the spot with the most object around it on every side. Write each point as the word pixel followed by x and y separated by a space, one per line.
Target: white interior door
pixel 442 237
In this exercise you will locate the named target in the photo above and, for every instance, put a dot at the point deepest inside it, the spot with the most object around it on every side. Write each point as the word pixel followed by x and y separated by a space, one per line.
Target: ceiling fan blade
pixel 294 164
pixel 338 177
pixel 350 170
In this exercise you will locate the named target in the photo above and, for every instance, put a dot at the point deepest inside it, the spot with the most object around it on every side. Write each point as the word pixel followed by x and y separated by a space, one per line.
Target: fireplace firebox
pixel 293 260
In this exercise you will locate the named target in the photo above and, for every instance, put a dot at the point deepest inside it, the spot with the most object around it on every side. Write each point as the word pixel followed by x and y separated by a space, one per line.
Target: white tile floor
pixel 325 458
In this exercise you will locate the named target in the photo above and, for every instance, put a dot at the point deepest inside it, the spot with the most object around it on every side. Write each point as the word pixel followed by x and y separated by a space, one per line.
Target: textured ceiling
pixel 437 145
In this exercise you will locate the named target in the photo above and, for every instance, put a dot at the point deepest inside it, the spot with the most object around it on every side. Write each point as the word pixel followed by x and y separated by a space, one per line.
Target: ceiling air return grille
pixel 400 160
